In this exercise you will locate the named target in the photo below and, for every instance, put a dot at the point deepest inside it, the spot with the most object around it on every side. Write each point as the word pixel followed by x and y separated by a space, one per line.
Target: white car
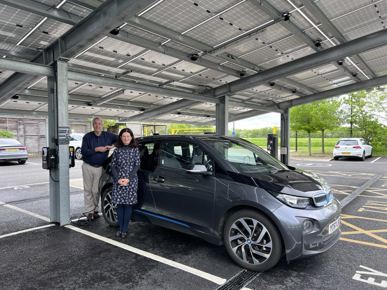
pixel 352 147
pixel 76 141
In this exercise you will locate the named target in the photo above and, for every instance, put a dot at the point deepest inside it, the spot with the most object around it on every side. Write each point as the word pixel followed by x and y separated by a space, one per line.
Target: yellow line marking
pixel 363 243
pixel 347 216
pixel 359 233
pixel 380 207
pixel 364 232
pixel 377 211
pixel 381 203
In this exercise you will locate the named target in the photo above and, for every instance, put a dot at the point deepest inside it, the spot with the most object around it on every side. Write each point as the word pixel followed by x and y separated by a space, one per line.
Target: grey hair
pixel 96 118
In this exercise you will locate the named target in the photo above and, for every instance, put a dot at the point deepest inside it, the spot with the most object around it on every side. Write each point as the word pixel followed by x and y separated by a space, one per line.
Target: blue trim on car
pixel 141 211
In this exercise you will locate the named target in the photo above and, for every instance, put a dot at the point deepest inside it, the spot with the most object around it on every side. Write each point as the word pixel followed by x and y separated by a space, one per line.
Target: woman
pixel 125 164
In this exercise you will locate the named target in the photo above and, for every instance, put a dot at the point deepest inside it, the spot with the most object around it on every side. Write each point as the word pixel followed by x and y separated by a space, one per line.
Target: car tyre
pixel 252 240
pixel 107 208
pixel 336 158
pixel 21 162
pixel 78 154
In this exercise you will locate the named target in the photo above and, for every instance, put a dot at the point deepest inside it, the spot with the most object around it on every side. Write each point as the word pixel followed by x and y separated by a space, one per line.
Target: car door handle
pixel 159 179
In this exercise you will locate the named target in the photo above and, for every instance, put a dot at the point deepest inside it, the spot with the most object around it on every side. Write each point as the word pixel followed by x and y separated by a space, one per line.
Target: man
pixel 95 150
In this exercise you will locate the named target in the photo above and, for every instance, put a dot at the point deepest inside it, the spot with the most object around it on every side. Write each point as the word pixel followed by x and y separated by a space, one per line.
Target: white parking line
pixel 26 212
pixel 196 272
pixel 26 231
pixel 29 184
pixel 215 279
pixel 375 160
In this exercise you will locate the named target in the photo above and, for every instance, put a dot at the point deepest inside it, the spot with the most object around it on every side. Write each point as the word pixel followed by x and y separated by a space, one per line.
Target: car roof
pixel 188 137
pixel 350 139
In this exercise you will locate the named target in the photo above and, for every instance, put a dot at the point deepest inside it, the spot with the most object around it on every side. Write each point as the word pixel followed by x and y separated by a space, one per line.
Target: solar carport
pixel 197 62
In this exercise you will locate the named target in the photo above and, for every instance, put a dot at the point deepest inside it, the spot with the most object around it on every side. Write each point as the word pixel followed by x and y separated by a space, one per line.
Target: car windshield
pixel 9 142
pixel 347 142
pixel 246 157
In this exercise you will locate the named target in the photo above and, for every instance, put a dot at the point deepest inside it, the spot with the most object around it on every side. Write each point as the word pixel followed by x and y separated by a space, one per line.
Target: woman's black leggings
pixel 124 213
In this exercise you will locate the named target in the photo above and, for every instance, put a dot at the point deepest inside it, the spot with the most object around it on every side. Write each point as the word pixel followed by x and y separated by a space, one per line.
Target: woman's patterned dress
pixel 125 164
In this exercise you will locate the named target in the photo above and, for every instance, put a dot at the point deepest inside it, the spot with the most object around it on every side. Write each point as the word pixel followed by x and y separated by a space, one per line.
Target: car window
pixel 184 155
pixel 245 157
pixel 347 142
pixel 9 142
pixel 149 155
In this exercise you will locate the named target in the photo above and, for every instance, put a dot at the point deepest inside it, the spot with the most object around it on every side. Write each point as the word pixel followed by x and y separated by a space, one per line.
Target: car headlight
pixel 294 201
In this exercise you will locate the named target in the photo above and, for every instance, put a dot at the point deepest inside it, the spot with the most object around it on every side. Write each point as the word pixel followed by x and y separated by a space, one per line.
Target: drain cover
pixel 239 281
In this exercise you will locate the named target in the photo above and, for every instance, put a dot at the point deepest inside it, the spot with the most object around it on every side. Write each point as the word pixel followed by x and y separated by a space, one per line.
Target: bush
pixel 5 134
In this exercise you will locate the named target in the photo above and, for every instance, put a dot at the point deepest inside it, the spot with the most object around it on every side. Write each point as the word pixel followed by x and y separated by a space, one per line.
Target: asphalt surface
pixel 156 258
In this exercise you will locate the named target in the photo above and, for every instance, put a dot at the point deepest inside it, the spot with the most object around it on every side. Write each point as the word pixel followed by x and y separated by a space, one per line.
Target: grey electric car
pixel 229 191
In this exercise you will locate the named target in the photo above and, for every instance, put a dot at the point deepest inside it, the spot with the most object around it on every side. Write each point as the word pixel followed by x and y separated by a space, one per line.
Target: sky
pixel 262 121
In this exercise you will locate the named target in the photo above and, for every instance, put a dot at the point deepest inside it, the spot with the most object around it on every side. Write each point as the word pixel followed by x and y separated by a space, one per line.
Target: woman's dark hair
pixel 132 143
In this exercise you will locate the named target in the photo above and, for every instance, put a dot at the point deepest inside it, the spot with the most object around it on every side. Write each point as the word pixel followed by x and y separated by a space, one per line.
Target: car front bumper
pixel 300 243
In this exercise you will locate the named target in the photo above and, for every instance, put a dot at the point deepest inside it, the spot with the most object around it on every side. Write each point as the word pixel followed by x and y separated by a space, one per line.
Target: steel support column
pixel 57 122
pixel 222 116
pixel 285 136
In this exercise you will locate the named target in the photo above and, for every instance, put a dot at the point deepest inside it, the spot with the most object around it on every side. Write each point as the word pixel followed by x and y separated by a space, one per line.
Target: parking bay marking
pixel 369 233
pixel 372 275
pixel 375 160
pixel 191 270
pixel 26 231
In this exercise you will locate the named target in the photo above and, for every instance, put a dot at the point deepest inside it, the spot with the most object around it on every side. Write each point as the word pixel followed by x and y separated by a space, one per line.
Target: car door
pixel 179 194
pixel 145 196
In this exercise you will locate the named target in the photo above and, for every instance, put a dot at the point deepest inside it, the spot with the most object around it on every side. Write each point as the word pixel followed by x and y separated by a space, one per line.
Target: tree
pixel 5 134
pixel 302 118
pixel 326 116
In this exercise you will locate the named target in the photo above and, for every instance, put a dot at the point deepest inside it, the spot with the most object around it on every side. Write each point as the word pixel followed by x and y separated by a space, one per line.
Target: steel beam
pixel 88 78
pixel 295 30
pixel 40 114
pixel 139 41
pixel 100 22
pixel 57 123
pixel 222 117
pixel 324 20
pixel 38 69
pixel 289 25
pixel 90 4
pixel 19 51
pixel 163 110
pixel 43 10
pixel 349 48
pixel 26 67
pixel 363 85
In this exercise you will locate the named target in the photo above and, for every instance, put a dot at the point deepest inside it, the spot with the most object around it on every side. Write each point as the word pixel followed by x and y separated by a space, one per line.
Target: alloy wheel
pixel 250 241
pixel 109 210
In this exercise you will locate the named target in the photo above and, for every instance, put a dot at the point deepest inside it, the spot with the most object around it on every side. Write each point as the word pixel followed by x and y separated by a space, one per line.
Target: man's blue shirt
pixel 90 141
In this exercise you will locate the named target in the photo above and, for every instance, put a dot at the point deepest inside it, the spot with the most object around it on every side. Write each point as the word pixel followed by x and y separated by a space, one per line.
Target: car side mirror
pixel 199 169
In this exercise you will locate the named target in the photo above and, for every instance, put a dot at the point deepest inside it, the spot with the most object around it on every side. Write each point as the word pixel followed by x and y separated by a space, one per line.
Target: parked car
pixel 228 191
pixel 352 147
pixel 12 150
pixel 76 141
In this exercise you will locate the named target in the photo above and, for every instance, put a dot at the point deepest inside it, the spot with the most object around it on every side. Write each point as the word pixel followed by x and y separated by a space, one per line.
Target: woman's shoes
pixel 121 235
